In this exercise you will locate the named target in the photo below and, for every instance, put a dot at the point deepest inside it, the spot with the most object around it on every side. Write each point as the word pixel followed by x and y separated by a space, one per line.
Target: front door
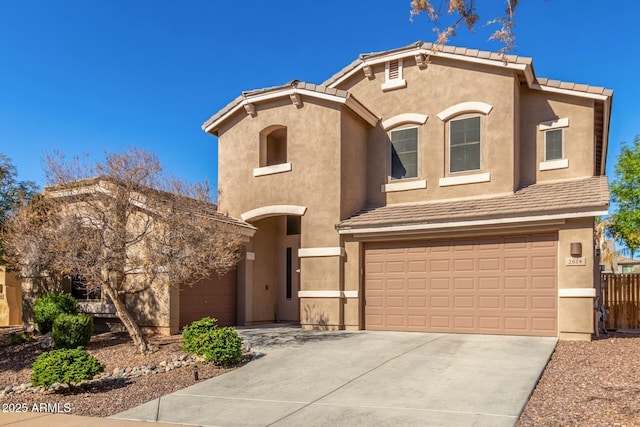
pixel 288 306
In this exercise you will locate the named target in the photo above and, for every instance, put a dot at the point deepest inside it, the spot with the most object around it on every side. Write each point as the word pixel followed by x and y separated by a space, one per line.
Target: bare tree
pixel 123 228
pixel 465 13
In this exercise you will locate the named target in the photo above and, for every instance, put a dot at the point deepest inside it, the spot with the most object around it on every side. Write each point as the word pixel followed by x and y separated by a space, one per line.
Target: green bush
pixel 72 330
pixel 64 366
pixel 46 308
pixel 17 339
pixel 192 334
pixel 218 345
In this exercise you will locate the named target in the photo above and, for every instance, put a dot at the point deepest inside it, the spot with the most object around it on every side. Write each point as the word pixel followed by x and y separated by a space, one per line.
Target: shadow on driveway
pixel 271 336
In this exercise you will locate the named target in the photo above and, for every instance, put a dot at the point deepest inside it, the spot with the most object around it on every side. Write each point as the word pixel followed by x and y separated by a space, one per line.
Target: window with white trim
pixel 464 144
pixel 553 145
pixel 404 153
pixel 554 155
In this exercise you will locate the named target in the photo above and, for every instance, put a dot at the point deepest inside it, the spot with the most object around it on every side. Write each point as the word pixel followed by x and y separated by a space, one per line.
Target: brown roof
pixel 575 196
pixel 292 84
pixel 621 260
pixel 574 86
pixel 471 53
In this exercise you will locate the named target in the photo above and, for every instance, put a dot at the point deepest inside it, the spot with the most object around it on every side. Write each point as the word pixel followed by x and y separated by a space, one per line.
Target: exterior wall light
pixel 576 249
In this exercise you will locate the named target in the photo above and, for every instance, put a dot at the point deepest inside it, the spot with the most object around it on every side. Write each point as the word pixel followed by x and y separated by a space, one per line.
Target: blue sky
pixel 93 76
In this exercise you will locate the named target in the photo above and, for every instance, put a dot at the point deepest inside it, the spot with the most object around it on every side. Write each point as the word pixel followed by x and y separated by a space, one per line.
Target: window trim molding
pixel 464 107
pixel 403 119
pixel 554 124
pixel 465 179
pixel 402 185
pixel 554 164
pixel 273 169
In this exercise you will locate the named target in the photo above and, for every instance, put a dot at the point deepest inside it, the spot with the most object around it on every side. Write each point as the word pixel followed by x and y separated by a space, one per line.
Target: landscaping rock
pixel 47 341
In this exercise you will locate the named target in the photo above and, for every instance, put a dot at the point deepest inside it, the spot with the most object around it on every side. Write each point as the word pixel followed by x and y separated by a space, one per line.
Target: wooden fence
pixel 621 298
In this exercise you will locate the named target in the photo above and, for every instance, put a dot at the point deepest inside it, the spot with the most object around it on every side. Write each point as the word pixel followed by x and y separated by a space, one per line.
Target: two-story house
pixel 415 190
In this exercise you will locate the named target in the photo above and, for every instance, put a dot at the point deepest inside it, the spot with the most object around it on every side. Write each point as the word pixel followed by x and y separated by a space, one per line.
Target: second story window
pixel 404 153
pixel 464 144
pixel 553 149
pixel 274 155
pixel 274 150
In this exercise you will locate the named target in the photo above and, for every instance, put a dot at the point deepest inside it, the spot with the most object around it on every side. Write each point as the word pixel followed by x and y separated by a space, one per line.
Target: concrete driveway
pixel 363 378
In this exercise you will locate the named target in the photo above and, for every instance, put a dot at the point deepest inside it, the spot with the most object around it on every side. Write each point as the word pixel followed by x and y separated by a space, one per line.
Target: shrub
pixel 46 308
pixel 192 334
pixel 17 339
pixel 72 330
pixel 64 366
pixel 218 345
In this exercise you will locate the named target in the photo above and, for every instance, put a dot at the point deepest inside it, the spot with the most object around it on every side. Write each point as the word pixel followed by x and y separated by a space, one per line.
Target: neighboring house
pixel 623 265
pixel 419 191
pixel 164 309
pixel 10 299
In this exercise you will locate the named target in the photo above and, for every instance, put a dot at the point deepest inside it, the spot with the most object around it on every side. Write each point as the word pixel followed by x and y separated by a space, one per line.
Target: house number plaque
pixel 575 261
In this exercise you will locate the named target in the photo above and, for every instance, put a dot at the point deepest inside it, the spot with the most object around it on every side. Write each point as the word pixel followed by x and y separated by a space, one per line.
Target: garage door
pixel 213 297
pixel 502 285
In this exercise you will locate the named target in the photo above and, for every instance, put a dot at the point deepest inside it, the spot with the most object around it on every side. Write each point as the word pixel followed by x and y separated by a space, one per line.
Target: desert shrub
pixel 17 339
pixel 64 366
pixel 218 345
pixel 72 330
pixel 192 334
pixel 47 307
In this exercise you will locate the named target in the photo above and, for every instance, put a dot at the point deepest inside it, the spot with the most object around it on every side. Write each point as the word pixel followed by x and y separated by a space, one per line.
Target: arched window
pixel 273 146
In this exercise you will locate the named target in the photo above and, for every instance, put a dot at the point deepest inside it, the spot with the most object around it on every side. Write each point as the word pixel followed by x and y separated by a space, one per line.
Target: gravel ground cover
pixel 593 383
pixel 111 395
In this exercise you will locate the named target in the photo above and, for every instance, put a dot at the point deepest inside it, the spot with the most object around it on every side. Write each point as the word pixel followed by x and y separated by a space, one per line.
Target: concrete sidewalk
pixel 364 378
pixel 62 420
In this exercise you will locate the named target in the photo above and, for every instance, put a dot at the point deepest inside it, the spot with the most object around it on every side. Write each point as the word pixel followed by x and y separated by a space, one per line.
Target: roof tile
pixel 584 195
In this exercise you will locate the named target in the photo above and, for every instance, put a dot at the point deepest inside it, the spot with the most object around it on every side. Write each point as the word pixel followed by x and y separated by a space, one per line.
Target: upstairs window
pixel 273 150
pixel 553 149
pixel 464 144
pixel 404 153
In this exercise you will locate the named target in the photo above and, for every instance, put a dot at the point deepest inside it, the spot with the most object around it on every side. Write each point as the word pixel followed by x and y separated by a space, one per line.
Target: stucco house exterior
pixel 163 307
pixel 415 190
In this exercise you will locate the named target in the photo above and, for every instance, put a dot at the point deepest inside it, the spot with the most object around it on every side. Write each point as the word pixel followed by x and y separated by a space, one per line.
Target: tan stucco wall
pixel 313 148
pixel 537 107
pixel 442 84
pixel 353 164
pixel 575 314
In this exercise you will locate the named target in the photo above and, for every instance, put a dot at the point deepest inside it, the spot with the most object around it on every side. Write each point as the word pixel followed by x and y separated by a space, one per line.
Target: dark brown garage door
pixel 503 285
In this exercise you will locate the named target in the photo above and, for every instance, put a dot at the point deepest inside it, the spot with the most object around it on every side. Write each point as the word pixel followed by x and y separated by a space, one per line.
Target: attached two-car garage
pixel 498 285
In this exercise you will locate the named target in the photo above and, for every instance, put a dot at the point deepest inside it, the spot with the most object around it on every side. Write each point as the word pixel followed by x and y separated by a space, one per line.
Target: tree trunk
pixel 138 338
